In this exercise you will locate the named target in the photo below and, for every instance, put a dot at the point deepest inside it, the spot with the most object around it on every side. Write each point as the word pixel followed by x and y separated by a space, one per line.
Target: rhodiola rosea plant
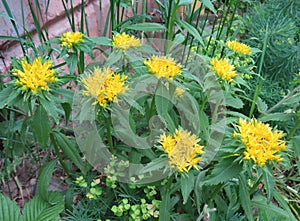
pixel 157 130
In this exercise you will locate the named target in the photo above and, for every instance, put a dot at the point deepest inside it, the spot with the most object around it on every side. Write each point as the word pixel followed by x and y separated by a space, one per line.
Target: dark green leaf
pixel 224 171
pixel 49 106
pixel 187 185
pixel 164 211
pixel 72 61
pixel 9 211
pixel 37 209
pixel 7 95
pixel 69 149
pixel 295 141
pixel 245 197
pixel 276 117
pixel 271 210
pixel 67 108
pixel 41 126
pixel 269 182
pixel 45 175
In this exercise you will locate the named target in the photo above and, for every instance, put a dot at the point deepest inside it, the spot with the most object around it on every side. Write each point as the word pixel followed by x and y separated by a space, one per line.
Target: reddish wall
pixel 55 20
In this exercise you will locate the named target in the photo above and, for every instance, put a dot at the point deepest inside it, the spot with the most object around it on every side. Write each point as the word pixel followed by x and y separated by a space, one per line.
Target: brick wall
pixel 54 19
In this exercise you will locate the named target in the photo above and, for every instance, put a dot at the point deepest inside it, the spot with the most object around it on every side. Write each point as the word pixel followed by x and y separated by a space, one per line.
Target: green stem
pixel 171 22
pixel 108 134
pixel 112 13
pixel 294 129
pixel 259 85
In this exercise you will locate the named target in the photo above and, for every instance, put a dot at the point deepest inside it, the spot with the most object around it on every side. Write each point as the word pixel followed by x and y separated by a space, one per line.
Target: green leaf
pixel 261 105
pixel 204 124
pixel 67 108
pixel 72 61
pixel 33 208
pixel 156 164
pixel 7 95
pixel 191 29
pixel 295 141
pixel 273 212
pixel 49 106
pixel 187 185
pixel 223 171
pixel 69 149
pixel 52 213
pixel 9 211
pixel 245 197
pixel 283 203
pixel 277 117
pixel 209 5
pixel 147 26
pixel 164 211
pixel 101 41
pixel 269 182
pixel 234 102
pixel 41 126
pixel 37 209
pixel 45 175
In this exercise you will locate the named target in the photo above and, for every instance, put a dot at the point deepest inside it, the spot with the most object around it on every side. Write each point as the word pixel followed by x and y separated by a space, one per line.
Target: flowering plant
pixel 142 128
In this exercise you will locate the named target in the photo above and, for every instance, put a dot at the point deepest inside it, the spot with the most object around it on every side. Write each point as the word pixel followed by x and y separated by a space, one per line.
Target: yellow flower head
pixel 163 66
pixel 179 92
pixel 36 76
pixel 124 41
pixel 223 68
pixel 260 141
pixel 69 39
pixel 104 85
pixel 183 150
pixel 239 47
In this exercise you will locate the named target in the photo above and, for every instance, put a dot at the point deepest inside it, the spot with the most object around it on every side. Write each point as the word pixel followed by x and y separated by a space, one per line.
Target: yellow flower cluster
pixel 223 68
pixel 260 141
pixel 104 85
pixel 183 150
pixel 163 66
pixel 69 39
pixel 239 47
pixel 36 76
pixel 124 41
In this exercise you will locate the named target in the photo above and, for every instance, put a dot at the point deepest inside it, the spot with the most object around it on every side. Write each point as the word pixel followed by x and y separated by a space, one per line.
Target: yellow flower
pixel 163 66
pixel 36 76
pixel 260 141
pixel 239 47
pixel 179 92
pixel 125 41
pixel 223 68
pixel 183 150
pixel 69 39
pixel 104 85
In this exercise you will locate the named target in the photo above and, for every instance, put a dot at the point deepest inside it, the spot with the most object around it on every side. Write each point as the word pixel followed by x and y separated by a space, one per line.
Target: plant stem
pixel 108 134
pixel 259 85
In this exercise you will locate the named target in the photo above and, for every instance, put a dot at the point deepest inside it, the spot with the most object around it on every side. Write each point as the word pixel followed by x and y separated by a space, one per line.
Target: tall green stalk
pixel 13 21
pixel 259 85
